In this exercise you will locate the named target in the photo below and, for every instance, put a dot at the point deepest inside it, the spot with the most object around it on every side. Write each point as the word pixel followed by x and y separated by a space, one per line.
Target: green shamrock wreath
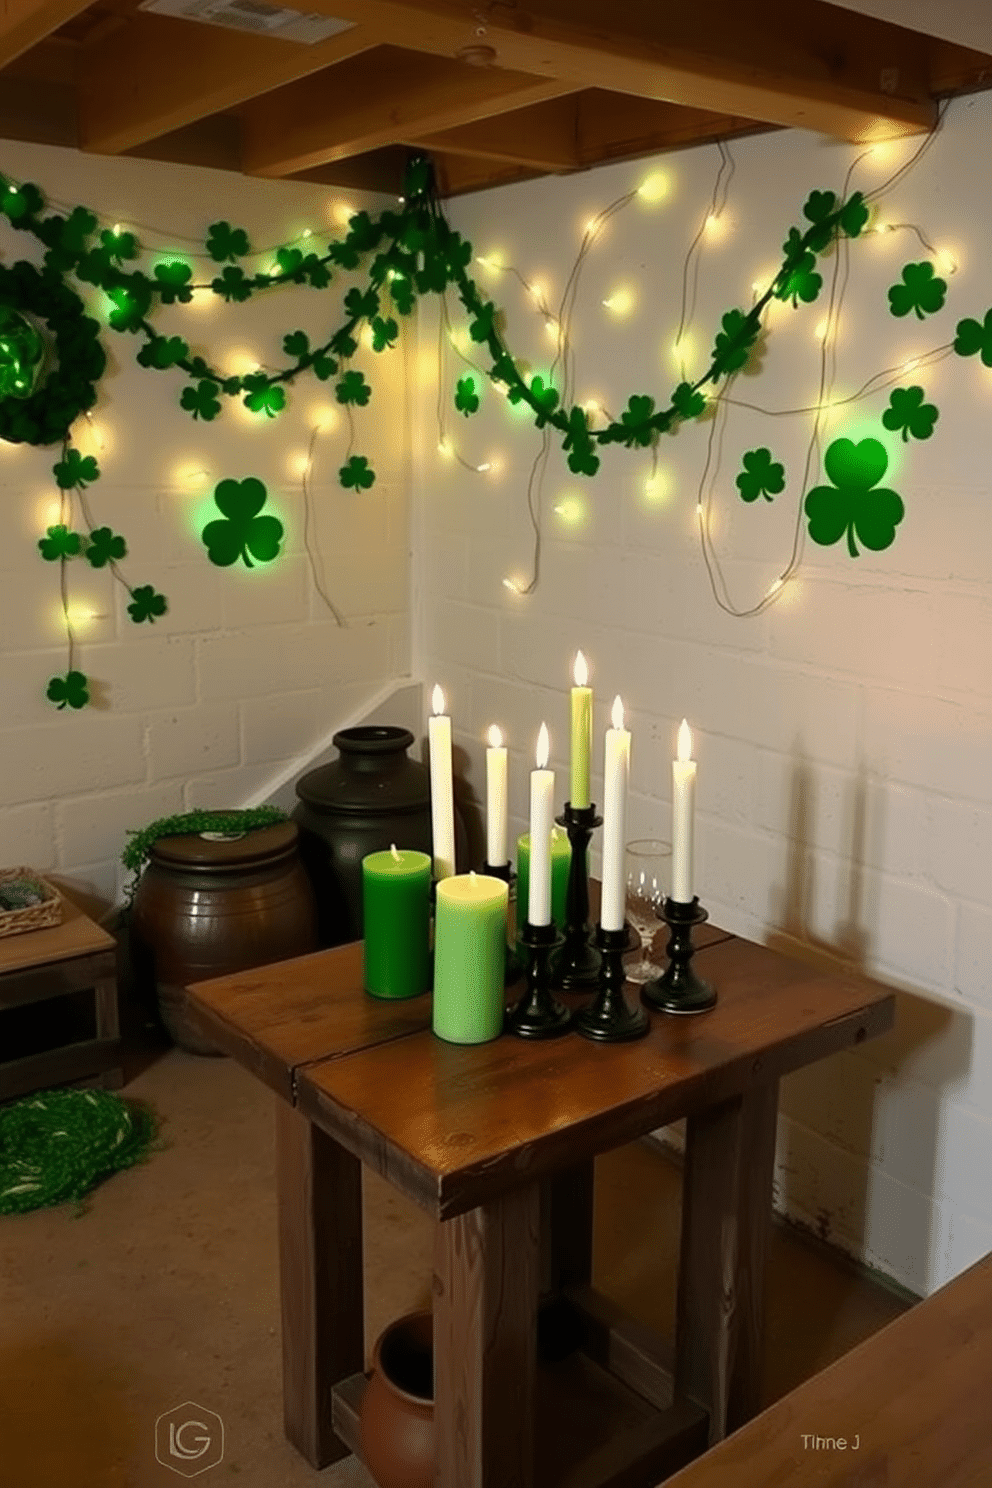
pixel 69 389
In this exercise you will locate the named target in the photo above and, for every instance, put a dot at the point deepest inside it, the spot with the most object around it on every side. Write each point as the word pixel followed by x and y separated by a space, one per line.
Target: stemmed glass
pixel 647 862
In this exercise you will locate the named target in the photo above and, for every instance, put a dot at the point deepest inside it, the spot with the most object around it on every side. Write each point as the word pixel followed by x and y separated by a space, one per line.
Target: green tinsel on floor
pixel 57 1145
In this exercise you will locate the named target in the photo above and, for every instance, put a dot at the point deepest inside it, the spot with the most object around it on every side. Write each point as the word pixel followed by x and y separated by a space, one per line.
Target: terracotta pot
pixel 207 906
pixel 396 1418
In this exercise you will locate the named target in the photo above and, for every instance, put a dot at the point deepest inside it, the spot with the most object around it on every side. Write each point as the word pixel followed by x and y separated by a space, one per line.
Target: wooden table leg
pixel 726 1214
pixel 486 1265
pixel 319 1188
pixel 566 1228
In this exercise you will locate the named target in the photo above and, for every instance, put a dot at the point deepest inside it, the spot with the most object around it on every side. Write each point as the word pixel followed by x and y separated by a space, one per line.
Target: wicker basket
pixel 34 916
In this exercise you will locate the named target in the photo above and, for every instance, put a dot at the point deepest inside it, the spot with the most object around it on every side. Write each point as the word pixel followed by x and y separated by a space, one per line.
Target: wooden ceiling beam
pixel 374 101
pixel 797 63
pixel 23 23
pixel 543 137
pixel 159 74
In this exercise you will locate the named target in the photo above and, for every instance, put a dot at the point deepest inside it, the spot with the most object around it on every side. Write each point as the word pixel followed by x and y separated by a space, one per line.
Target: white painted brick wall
pixel 210 702
pixel 844 735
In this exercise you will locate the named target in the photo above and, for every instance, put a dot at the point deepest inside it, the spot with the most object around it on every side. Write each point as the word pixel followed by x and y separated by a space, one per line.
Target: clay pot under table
pixel 396 1418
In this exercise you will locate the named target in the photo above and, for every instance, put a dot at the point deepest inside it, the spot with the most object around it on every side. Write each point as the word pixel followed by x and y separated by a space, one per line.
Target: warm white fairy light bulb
pixel 654 188
pixel 620 302
pixel 444 447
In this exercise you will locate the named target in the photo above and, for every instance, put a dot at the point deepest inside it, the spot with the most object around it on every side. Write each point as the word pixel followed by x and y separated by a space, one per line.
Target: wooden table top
pixel 452 1125
pixel 914 1397
pixel 276 1018
pixel 76 935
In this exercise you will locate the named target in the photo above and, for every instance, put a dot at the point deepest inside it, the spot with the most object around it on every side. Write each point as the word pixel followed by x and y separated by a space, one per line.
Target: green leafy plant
pixel 909 414
pixel 854 504
pixel 242 532
pixel 760 476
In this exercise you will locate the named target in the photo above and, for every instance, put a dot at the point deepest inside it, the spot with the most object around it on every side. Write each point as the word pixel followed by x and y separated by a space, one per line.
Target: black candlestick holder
pixel 679 989
pixel 576 966
pixel 538 1015
pixel 609 1019
pixel 504 871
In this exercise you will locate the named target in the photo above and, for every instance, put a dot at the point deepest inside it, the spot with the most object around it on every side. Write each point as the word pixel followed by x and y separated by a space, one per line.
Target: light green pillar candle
pixel 469 957
pixel 396 888
pixel 561 859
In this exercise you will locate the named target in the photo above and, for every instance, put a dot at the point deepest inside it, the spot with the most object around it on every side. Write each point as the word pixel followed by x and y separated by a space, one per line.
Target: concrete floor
pixel 165 1291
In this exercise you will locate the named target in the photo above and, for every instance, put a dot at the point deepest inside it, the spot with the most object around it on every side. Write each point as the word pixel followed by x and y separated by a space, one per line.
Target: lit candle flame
pixel 437 700
pixel 617 714
pixel 495 737
pixel 392 849
pixel 543 746
pixel 684 743
pixel 581 670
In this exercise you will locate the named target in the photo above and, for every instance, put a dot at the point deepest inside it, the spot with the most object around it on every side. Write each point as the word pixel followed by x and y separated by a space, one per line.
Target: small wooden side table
pixel 75 956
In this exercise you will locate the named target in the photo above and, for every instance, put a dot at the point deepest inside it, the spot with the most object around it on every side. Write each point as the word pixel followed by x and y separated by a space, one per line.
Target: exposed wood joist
pixel 199 70
pixel 23 23
pixel 790 62
pixel 361 105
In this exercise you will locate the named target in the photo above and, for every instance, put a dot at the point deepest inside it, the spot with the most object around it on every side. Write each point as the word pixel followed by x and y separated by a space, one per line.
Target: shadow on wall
pixel 858 1133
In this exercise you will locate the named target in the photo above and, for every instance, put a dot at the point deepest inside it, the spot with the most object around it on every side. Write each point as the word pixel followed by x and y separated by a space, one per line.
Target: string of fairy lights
pixel 654 189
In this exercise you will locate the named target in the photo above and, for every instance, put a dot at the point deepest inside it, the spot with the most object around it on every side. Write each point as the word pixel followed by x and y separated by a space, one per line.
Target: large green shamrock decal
pixel 855 503
pixel 974 335
pixel 75 469
pixel 920 290
pixel 357 473
pixel 21 352
pixel 466 397
pixel 761 475
pixel 242 531
pixel 909 413
pixel 105 546
pixel 61 542
pixel 70 690
pixel 202 401
pixel 146 604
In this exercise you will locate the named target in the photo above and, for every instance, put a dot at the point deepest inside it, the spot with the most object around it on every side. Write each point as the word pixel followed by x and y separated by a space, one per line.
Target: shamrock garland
pixel 410 252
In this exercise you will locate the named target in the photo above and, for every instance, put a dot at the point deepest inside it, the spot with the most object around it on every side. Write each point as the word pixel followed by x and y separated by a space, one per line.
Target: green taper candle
pixel 561 860
pixel 396 890
pixel 469 957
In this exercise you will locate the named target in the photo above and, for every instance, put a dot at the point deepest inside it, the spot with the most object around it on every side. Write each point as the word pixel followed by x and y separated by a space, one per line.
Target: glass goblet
pixel 647 864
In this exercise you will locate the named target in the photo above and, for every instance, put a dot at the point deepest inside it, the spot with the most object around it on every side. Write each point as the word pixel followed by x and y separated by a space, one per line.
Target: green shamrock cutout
pixel 297 344
pixel 909 413
pixel 343 344
pixel 172 277
pixel 61 542
pixel 75 469
pixel 466 397
pixel 105 546
pixel 357 474
pixel 854 215
pixel 361 306
pixel 855 503
pixel 130 304
pixel 482 326
pixel 146 604
pixel 233 285
pixel 119 246
pixel 269 400
pixel 733 344
pixel 761 475
pixel 69 691
pixel 637 426
pixel 21 353
pixel 403 294
pixel 353 389
pixel 920 290
pixel 687 401
pixel 242 531
pixel 226 242
pixel 201 401
pixel 384 333
pixel 163 352
pixel 818 210
pixel 974 335
pixel 582 459
pixel 324 366
pixel 544 399
pixel 801 282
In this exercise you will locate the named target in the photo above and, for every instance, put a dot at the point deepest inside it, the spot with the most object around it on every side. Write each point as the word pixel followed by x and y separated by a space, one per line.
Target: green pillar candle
pixel 469 957
pixel 561 859
pixel 396 888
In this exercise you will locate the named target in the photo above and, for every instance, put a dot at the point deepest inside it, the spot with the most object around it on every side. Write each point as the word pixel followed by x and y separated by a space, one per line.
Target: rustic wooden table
pixel 497 1142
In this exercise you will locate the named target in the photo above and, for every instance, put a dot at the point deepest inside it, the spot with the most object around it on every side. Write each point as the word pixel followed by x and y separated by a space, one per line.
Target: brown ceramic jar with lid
pixel 211 903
